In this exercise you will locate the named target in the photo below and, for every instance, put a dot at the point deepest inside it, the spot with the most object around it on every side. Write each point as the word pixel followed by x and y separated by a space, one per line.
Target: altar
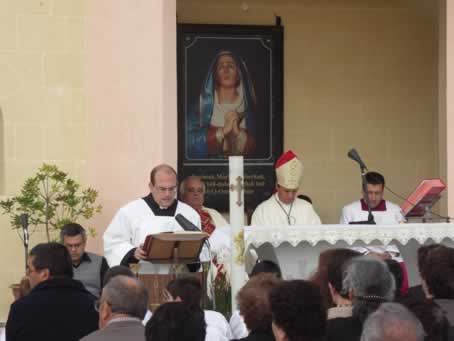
pixel 296 248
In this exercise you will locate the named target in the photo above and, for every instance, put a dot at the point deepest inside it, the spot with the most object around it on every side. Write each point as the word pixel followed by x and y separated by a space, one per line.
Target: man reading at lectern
pixel 384 212
pixel 284 207
pixel 155 213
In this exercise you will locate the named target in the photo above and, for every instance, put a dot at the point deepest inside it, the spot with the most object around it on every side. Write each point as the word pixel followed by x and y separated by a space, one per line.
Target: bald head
pixel 192 192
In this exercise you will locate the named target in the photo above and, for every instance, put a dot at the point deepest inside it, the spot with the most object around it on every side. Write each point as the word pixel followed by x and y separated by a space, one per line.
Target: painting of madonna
pixel 223 123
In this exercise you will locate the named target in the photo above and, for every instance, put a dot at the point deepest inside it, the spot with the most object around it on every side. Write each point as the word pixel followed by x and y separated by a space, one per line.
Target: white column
pixel 236 182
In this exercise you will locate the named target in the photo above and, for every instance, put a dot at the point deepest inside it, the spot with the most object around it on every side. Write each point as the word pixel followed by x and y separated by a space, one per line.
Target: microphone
pixel 353 154
pixel 185 223
pixel 24 222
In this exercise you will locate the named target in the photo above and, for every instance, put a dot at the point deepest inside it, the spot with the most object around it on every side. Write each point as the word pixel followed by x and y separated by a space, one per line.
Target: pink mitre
pixel 289 170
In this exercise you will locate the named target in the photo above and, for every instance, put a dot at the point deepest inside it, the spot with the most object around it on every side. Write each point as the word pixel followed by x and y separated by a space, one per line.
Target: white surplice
pixel 274 212
pixel 354 212
pixel 133 223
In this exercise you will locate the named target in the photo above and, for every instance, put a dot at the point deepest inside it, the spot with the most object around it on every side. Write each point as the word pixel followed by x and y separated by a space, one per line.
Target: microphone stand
pixel 370 217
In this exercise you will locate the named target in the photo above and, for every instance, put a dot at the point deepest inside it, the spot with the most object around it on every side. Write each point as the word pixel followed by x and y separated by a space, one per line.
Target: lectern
pixel 174 249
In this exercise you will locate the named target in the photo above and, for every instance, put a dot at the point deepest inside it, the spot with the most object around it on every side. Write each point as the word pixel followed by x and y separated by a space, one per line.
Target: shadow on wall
pixel 2 156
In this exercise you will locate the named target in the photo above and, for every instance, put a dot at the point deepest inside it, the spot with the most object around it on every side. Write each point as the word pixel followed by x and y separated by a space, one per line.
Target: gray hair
pixel 370 283
pixel 185 180
pixel 126 295
pixel 392 319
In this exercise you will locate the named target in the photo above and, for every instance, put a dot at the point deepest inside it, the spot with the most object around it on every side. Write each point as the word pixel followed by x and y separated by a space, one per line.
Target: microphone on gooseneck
pixel 24 222
pixel 353 154
pixel 185 223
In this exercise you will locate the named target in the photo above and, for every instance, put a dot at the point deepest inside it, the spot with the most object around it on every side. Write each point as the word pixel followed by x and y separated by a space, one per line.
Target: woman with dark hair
pixel 330 271
pixel 438 281
pixel 298 312
pixel 254 305
pixel 176 321
pixel 224 122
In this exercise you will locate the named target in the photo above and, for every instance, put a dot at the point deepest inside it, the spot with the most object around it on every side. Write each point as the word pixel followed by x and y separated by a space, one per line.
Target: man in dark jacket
pixel 58 307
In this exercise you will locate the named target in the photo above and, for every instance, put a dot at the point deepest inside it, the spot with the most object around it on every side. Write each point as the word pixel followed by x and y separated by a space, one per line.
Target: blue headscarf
pixel 200 121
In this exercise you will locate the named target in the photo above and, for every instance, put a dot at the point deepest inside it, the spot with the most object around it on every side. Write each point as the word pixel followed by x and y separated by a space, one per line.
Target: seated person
pixel 176 321
pixel 254 305
pixel 188 289
pixel 367 283
pixel 392 321
pixel 89 268
pixel 298 311
pixel 237 325
pixel 330 263
pixel 192 192
pixel 384 212
pixel 284 207
pixel 438 281
pixel 55 302
pixel 122 307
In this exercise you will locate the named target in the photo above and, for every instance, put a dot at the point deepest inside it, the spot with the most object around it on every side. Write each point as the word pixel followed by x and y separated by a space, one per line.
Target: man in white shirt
pixel 384 212
pixel 155 213
pixel 284 207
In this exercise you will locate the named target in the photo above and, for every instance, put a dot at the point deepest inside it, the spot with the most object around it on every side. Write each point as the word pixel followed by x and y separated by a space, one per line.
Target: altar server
pixel 284 207
pixel 384 212
pixel 155 213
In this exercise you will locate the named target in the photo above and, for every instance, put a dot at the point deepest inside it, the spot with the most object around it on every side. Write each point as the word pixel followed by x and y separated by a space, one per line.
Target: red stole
pixel 380 207
pixel 207 222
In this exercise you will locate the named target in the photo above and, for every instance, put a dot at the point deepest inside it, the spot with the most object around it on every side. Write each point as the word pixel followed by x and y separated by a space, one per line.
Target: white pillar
pixel 236 183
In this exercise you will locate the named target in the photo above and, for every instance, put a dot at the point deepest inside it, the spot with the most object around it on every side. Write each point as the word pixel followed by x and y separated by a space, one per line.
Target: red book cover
pixel 425 195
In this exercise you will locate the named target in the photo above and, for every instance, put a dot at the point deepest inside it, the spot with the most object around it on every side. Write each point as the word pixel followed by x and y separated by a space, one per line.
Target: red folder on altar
pixel 423 198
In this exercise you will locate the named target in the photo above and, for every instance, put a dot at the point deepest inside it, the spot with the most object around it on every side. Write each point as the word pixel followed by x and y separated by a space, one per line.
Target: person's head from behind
pixel 392 322
pixel 266 266
pixel 396 270
pixel 192 192
pixel 163 185
pixel 253 301
pixel 331 283
pixel 74 237
pixel 438 273
pixel 433 319
pixel 423 252
pixel 122 297
pixel 368 283
pixel 115 271
pixel 187 289
pixel 176 321
pixel 375 187
pixel 48 261
pixel 297 311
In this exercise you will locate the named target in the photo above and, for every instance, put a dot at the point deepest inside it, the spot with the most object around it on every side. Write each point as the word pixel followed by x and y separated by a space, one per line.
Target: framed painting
pixel 230 102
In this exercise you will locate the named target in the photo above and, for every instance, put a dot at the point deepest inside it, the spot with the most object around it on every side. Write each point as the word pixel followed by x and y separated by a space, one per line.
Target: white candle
pixel 237 270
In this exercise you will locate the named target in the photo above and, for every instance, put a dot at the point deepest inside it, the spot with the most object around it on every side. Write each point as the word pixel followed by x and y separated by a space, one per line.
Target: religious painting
pixel 230 103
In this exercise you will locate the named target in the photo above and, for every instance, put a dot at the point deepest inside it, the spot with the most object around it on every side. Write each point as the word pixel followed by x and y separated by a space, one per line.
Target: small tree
pixel 51 199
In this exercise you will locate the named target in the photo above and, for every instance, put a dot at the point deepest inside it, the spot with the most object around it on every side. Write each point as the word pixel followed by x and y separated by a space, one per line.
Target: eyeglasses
pixel 195 190
pixel 163 190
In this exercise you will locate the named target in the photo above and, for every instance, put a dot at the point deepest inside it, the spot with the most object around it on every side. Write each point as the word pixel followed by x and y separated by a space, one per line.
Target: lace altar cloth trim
pixel 276 235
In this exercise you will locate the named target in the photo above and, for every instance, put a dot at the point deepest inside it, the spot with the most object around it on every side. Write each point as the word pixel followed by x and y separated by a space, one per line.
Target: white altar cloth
pixel 296 248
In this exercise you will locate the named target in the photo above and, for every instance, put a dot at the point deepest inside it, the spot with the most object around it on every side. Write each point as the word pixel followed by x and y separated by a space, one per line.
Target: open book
pixel 423 198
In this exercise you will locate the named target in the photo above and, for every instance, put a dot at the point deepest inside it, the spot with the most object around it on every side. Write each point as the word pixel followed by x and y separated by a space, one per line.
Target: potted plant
pixel 49 200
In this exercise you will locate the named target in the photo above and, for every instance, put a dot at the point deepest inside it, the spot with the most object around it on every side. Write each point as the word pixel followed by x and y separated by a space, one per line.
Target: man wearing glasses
pixel 284 207
pixel 155 213
pixel 58 307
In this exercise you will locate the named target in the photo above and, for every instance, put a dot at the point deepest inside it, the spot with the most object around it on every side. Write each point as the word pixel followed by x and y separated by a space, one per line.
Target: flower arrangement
pixel 219 283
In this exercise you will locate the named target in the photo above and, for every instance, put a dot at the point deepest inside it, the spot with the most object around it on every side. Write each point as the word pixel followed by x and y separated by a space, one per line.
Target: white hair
pixel 391 319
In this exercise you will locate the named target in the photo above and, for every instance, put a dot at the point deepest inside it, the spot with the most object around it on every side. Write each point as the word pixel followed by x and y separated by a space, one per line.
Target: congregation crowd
pixel 78 295
pixel 350 297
